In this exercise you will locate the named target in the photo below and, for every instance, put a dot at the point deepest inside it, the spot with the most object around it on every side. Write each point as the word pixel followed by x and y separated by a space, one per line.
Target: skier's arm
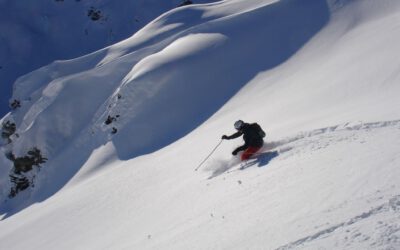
pixel 241 148
pixel 235 135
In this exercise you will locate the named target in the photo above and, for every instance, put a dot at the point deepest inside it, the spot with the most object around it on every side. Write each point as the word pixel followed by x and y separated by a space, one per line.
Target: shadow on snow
pixel 260 160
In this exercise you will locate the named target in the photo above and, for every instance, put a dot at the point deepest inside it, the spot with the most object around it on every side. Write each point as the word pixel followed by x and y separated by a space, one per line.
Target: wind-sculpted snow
pixel 35 33
pixel 163 83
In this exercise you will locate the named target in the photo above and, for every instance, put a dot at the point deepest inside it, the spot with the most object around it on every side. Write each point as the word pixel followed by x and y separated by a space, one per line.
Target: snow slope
pixel 36 33
pixel 321 77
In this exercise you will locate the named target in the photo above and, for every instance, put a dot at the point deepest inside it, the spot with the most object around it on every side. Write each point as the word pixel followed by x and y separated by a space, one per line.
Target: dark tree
pixel 24 165
pixel 185 2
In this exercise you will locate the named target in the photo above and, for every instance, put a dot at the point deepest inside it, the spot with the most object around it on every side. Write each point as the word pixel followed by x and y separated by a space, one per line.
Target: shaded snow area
pixel 35 33
pixel 113 137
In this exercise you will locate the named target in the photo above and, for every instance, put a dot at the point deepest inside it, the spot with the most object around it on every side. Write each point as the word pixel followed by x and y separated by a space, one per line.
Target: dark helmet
pixel 238 124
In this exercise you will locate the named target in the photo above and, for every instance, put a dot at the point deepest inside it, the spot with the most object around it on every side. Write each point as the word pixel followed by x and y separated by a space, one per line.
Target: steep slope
pixel 321 78
pixel 36 33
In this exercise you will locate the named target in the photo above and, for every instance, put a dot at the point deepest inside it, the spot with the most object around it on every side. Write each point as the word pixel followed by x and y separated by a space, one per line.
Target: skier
pixel 252 135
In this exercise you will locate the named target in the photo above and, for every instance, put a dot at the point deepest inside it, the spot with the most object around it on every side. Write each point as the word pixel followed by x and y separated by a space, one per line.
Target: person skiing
pixel 252 135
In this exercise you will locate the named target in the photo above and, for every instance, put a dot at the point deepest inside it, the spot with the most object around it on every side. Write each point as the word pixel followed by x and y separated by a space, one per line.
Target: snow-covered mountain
pixel 36 33
pixel 119 132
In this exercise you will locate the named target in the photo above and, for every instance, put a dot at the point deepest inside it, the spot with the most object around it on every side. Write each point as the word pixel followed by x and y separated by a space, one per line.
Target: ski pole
pixel 208 156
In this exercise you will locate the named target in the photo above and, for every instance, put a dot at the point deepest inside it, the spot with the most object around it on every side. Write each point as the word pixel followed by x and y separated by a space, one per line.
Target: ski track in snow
pixel 385 235
pixel 391 233
pixel 376 227
pixel 285 145
pixel 276 148
pixel 336 128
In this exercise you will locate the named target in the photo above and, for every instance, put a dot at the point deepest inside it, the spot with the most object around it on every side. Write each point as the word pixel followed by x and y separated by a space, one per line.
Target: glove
pixel 224 137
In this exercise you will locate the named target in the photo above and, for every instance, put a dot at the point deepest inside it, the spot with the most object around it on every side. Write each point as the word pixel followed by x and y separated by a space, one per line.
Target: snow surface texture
pixel 35 33
pixel 321 78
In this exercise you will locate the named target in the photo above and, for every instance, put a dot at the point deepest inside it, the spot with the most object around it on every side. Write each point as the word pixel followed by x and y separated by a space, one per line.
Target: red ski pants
pixel 249 152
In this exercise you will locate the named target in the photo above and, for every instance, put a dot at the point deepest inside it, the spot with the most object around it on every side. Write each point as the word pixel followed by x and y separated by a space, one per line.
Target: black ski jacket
pixel 251 136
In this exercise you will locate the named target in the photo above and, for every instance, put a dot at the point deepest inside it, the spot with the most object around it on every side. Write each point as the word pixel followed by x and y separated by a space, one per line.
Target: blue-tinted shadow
pixel 260 160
